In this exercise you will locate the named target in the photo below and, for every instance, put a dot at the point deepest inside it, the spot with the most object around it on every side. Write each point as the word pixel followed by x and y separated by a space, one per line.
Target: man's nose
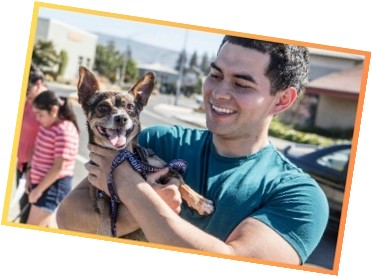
pixel 222 91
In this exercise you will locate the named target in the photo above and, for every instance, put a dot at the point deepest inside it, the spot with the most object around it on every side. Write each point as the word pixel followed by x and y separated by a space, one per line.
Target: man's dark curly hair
pixel 289 64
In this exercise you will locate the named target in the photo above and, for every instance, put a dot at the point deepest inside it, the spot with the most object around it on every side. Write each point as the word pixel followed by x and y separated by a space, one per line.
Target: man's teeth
pixel 222 110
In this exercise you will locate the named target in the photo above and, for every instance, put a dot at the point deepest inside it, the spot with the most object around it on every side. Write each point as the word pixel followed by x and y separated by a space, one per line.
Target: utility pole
pixel 180 75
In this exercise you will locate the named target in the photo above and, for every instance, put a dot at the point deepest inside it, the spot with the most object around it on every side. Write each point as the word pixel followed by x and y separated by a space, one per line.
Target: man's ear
pixel 285 99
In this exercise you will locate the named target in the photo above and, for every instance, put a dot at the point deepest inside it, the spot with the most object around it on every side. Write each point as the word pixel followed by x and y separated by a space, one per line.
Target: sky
pixel 169 37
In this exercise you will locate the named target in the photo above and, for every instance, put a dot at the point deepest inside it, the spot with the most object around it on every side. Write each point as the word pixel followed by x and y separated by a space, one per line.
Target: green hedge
pixel 280 130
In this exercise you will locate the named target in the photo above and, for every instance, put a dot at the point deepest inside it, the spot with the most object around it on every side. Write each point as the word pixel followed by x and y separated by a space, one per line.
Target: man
pixel 265 207
pixel 29 129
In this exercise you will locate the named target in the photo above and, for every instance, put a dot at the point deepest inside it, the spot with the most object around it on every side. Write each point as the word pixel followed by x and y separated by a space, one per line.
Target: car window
pixel 336 160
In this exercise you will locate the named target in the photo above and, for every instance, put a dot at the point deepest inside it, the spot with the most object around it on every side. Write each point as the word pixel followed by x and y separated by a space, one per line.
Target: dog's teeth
pixel 101 130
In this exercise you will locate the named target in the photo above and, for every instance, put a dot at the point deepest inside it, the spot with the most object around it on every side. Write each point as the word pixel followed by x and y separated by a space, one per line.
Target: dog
pixel 113 121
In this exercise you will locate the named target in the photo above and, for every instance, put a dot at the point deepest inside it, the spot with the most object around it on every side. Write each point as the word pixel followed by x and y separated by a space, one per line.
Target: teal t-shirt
pixel 263 185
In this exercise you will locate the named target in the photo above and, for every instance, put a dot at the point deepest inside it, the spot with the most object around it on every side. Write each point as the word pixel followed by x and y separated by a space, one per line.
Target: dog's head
pixel 113 117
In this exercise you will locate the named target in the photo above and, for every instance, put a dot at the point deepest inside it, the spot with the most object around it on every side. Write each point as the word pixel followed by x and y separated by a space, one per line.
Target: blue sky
pixel 158 35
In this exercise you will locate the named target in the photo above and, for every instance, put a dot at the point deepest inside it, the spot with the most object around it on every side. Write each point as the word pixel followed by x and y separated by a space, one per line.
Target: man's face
pixel 237 95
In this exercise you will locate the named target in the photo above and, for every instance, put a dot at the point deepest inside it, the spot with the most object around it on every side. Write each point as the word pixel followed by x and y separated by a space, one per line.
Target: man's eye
pixel 215 76
pixel 243 86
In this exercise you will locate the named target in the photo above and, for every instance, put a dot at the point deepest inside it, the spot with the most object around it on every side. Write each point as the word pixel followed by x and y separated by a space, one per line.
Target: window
pixel 336 160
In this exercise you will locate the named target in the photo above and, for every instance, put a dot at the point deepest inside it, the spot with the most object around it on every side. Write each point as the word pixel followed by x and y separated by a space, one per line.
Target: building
pixel 80 45
pixel 337 97
pixel 330 99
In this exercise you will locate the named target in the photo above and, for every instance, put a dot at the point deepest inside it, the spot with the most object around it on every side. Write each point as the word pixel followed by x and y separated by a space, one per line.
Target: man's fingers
pixel 154 177
pixel 91 168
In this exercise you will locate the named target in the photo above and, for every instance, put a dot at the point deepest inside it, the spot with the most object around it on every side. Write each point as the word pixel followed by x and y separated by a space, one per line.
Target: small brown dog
pixel 113 122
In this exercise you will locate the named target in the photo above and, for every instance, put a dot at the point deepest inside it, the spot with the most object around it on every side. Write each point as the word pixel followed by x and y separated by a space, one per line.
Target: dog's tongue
pixel 116 137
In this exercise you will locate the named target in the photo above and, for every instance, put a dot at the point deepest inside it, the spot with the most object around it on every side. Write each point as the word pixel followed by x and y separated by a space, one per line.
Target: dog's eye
pixel 103 109
pixel 130 107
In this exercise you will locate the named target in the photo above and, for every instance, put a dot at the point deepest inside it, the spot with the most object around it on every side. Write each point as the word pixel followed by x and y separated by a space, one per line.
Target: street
pixel 324 254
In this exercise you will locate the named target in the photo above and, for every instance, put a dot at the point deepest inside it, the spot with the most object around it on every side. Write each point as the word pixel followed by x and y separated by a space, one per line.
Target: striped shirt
pixel 58 140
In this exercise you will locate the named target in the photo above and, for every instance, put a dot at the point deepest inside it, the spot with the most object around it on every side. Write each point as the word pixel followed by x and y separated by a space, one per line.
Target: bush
pixel 280 130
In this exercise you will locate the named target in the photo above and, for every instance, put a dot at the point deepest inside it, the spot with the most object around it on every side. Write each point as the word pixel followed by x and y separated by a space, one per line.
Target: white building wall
pixel 79 44
pixel 334 112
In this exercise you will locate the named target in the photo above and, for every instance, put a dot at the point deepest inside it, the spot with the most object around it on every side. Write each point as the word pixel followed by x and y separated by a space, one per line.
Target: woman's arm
pixel 47 181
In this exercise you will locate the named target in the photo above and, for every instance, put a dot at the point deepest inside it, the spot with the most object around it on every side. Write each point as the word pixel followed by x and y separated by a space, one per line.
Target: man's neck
pixel 239 147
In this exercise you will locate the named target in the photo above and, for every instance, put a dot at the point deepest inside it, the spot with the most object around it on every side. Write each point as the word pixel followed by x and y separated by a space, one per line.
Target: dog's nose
pixel 120 119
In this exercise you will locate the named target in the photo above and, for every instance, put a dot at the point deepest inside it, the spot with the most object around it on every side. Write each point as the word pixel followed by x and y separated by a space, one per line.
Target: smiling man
pixel 265 207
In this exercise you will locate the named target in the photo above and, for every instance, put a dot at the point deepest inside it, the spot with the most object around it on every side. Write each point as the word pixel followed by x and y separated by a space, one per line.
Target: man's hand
pixel 99 171
pixel 169 191
pixel 100 165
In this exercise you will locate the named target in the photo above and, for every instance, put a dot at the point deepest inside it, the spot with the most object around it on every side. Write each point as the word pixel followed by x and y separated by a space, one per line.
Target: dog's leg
pixel 102 208
pixel 104 223
pixel 195 201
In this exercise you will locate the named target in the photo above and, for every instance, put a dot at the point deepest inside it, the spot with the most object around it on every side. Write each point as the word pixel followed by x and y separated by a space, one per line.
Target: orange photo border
pixel 366 54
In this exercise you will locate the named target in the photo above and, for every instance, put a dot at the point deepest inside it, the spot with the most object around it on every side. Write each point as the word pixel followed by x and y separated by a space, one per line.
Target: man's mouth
pixel 222 111
pixel 116 136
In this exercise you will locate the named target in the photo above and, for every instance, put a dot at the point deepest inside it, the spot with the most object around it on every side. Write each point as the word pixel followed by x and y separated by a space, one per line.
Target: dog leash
pixel 143 169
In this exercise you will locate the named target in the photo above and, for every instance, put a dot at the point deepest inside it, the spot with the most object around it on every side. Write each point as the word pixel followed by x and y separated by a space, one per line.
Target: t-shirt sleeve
pixel 161 139
pixel 298 211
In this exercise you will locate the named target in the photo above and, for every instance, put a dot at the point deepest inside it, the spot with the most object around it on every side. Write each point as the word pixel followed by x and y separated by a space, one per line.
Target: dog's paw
pixel 204 206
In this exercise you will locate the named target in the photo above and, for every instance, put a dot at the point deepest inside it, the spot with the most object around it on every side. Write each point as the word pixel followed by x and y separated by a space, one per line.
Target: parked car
pixel 328 166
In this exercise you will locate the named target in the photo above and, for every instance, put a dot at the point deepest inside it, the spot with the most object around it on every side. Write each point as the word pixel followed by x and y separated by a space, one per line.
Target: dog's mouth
pixel 116 136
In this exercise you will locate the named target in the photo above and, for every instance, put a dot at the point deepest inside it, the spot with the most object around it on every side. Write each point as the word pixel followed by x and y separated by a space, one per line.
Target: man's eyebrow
pixel 246 77
pixel 214 65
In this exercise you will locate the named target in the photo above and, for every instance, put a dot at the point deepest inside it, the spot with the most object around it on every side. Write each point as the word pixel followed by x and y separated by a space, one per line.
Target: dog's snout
pixel 120 119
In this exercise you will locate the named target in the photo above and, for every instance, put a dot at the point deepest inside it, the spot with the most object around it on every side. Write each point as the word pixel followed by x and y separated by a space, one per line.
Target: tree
pixel 205 64
pixel 131 72
pixel 109 61
pixel 181 61
pixel 193 60
pixel 45 56
pixel 62 63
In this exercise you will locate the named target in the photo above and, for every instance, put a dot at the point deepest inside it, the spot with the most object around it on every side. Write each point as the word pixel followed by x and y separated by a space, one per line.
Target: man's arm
pixel 76 213
pixel 161 224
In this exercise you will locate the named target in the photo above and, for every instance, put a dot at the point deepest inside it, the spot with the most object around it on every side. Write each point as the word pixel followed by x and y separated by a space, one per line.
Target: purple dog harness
pixel 140 166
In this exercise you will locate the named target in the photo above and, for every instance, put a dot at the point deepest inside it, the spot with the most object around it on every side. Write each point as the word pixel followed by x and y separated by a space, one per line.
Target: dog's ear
pixel 143 89
pixel 87 85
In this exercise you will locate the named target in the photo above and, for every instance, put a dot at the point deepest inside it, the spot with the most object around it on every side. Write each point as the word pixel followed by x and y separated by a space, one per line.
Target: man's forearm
pixel 162 225
pixel 76 213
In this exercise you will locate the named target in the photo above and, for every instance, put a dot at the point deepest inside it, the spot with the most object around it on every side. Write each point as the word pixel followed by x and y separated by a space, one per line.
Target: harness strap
pixel 139 166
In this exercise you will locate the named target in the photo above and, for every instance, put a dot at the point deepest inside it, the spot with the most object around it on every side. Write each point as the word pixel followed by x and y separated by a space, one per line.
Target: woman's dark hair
pixel 289 64
pixel 35 74
pixel 47 99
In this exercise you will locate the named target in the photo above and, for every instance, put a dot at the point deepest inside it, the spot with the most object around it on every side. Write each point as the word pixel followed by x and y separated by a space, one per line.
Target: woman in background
pixel 53 160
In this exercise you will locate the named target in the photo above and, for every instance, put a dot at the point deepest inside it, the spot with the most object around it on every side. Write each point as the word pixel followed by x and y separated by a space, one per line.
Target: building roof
pixel 158 67
pixel 345 83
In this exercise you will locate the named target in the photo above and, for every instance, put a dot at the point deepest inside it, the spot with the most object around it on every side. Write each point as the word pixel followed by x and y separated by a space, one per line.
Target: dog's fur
pixel 113 122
